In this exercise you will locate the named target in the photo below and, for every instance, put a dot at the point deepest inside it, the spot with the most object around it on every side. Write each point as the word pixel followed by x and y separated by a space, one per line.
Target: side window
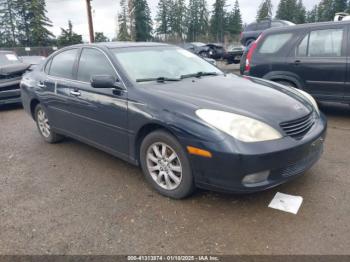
pixel 302 48
pixel 63 63
pixel 326 43
pixel 273 43
pixel 93 62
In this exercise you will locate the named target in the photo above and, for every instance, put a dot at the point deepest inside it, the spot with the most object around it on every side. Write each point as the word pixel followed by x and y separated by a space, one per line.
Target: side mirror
pixel 106 81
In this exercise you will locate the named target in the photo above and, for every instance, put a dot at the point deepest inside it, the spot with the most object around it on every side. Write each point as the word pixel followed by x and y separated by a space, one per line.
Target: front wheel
pixel 43 124
pixel 166 166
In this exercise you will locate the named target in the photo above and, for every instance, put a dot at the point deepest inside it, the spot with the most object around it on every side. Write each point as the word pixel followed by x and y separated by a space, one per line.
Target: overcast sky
pixel 105 13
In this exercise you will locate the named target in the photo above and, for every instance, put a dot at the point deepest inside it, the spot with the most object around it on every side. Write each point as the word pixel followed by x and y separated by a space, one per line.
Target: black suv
pixel 312 57
pixel 252 31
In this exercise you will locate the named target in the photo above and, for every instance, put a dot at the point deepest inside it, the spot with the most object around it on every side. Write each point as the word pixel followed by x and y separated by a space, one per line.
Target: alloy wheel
pixel 43 123
pixel 164 166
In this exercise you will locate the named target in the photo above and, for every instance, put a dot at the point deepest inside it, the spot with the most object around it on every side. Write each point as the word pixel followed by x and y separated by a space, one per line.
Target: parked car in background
pixel 11 71
pixel 211 50
pixel 32 60
pixel 183 120
pixel 252 31
pixel 234 54
pixel 197 48
pixel 216 51
pixel 311 57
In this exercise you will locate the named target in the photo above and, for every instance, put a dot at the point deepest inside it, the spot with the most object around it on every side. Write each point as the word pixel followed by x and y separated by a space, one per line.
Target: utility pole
pixel 91 26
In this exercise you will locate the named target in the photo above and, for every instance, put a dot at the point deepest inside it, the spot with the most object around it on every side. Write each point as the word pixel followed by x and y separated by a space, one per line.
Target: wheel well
pixel 285 80
pixel 33 105
pixel 143 132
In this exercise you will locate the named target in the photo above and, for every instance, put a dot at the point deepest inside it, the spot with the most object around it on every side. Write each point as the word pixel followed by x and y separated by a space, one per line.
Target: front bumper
pixel 284 159
pixel 10 92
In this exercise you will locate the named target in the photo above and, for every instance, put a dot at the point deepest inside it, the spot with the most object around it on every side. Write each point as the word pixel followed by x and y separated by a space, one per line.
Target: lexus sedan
pixel 185 122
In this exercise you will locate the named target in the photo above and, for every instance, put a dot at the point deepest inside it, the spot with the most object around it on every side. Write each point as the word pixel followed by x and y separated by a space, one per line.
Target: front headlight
pixel 311 99
pixel 240 127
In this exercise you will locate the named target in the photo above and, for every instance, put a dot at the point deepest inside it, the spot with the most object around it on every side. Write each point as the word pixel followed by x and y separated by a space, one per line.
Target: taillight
pixel 250 54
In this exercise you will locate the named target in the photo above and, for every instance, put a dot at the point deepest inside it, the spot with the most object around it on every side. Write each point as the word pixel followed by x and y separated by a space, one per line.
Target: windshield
pixel 8 59
pixel 162 63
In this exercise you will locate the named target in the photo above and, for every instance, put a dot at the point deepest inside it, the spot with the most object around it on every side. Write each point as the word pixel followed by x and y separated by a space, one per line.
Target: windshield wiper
pixel 199 74
pixel 160 79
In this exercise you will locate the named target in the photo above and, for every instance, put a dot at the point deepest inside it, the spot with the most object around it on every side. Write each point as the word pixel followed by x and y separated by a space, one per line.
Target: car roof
pixel 303 26
pixel 121 44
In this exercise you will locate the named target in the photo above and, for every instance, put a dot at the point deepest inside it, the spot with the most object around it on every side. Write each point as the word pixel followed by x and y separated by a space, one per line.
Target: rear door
pixel 320 61
pixel 57 81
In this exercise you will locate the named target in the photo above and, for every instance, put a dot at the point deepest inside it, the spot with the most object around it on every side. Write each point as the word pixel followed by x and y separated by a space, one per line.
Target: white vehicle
pixel 341 17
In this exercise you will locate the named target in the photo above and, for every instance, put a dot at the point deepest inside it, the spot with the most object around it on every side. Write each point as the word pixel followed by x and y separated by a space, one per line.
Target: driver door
pixel 100 114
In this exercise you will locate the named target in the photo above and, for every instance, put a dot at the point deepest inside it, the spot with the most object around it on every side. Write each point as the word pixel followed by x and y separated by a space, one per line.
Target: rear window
pixel 322 43
pixel 274 43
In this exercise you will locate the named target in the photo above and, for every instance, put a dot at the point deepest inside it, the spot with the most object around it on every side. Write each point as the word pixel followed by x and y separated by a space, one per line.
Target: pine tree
pixel 163 17
pixel 142 21
pixel 312 15
pixel 68 37
pixel 178 19
pixel 326 11
pixel 23 22
pixel 291 10
pixel 218 21
pixel 8 32
pixel 197 20
pixel 235 20
pixel 123 20
pixel 340 6
pixel 38 24
pixel 100 37
pixel 265 10
pixel 300 16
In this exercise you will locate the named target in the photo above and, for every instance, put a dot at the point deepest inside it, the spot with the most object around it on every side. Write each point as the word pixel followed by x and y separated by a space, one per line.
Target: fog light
pixel 256 178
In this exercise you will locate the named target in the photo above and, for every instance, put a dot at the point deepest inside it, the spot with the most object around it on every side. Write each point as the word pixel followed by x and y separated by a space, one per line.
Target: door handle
pixel 41 84
pixel 75 93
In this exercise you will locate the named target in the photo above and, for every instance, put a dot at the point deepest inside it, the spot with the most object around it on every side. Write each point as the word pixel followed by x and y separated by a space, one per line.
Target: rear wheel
pixel 43 124
pixel 166 166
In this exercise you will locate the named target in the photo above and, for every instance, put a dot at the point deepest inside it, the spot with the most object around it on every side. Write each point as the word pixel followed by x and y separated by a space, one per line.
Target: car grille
pixel 298 128
pixel 9 88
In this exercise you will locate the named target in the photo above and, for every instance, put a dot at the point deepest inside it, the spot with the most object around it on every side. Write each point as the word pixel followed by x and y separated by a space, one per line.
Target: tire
pixel 43 125
pixel 204 54
pixel 285 83
pixel 242 63
pixel 160 170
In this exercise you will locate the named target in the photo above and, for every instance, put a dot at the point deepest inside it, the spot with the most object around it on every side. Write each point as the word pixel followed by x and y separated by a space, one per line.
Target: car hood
pixel 13 69
pixel 251 97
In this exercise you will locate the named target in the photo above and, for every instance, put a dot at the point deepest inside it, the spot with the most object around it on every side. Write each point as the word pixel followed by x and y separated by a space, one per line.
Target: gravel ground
pixel 70 198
